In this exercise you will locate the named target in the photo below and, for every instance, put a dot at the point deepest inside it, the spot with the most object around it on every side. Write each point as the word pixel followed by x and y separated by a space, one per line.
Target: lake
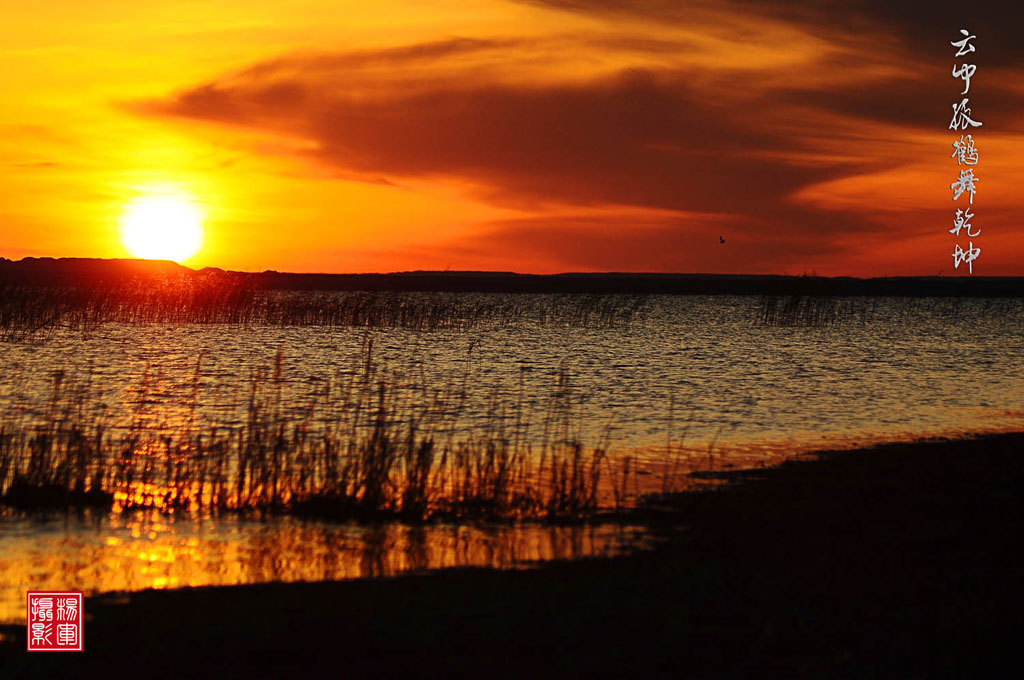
pixel 706 375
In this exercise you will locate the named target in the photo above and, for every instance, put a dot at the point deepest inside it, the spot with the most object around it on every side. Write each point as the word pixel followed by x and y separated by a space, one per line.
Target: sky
pixel 533 136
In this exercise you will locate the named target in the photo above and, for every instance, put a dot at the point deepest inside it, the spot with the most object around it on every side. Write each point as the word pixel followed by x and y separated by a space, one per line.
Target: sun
pixel 162 226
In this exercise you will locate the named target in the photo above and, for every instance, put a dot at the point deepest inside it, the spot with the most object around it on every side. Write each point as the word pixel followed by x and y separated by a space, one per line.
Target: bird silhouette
pixel 720 239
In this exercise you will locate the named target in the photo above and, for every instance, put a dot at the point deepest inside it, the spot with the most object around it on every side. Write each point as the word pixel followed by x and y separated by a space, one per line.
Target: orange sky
pixel 534 136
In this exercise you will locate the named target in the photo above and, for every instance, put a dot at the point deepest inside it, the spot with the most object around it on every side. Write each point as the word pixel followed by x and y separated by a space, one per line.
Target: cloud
pixel 36 164
pixel 899 29
pixel 636 137
pixel 660 125
pixel 618 240
pixel 635 242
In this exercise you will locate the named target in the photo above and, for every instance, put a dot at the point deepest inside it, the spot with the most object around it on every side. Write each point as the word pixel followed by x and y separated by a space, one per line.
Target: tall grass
pixel 812 311
pixel 389 449
pixel 214 297
pixel 817 309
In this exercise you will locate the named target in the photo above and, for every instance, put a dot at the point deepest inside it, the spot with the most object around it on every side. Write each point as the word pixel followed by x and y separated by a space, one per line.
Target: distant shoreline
pixel 89 272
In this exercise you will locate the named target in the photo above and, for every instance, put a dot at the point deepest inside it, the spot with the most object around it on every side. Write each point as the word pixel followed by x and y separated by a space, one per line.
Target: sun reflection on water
pixel 744 396
pixel 104 552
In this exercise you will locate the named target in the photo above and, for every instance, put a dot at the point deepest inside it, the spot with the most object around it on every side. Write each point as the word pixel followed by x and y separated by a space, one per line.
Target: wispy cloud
pixel 759 114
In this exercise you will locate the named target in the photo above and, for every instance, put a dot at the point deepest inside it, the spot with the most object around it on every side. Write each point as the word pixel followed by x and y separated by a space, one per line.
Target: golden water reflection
pixel 134 551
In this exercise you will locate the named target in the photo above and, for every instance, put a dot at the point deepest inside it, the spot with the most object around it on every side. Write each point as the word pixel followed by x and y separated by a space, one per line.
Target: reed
pixel 388 450
pixel 811 311
pixel 31 312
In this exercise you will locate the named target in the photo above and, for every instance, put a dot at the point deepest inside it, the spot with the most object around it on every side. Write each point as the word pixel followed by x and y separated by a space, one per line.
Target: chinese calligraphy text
pixel 965 152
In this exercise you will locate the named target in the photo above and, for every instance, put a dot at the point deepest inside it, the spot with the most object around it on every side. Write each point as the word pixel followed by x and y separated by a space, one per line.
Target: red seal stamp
pixel 54 621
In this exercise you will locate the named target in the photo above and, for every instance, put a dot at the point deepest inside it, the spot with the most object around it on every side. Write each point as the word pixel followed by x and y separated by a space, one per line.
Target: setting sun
pixel 162 227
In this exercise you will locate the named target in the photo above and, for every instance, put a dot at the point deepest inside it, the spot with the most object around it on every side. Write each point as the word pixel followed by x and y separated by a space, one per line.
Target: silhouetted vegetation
pixel 30 312
pixel 800 309
pixel 810 310
pixel 38 296
pixel 389 449
pixel 894 562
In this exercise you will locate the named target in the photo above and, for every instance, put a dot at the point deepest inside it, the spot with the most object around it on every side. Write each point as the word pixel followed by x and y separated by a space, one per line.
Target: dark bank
pixel 894 561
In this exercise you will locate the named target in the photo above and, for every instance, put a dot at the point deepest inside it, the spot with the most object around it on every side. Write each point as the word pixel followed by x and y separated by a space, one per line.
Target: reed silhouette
pixel 392 448
pixel 33 311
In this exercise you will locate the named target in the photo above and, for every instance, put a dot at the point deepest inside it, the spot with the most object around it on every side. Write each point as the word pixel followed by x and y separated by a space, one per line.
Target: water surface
pixel 698 370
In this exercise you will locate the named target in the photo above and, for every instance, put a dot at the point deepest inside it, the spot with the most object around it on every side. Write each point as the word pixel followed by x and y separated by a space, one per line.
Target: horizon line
pixel 172 263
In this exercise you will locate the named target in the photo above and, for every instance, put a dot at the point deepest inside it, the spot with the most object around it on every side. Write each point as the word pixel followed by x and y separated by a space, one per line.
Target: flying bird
pixel 720 239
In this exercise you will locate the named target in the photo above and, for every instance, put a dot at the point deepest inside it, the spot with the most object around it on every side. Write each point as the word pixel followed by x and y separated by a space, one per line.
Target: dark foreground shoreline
pixel 897 561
